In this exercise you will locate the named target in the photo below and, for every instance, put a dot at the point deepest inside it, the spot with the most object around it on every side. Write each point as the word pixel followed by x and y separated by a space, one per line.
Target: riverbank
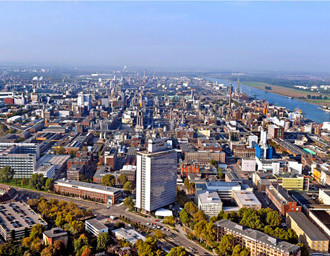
pixel 289 92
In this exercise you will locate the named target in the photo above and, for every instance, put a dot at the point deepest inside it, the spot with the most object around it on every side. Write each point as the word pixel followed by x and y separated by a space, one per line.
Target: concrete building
pixel 321 218
pixel 59 162
pixel 156 176
pixel 16 220
pixel 129 235
pixel 307 232
pixel 282 200
pixel 324 196
pixel 209 202
pixel 248 165
pixel 257 242
pixel 92 191
pixel 95 227
pixel 55 234
pixel 246 199
pixel 275 132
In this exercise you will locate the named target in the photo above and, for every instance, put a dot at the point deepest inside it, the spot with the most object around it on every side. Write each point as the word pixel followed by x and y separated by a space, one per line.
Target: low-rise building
pixel 282 200
pixel 256 241
pixel 95 227
pixel 92 191
pixel 209 202
pixel 324 196
pixel 307 232
pixel 129 235
pixel 246 199
pixel 55 234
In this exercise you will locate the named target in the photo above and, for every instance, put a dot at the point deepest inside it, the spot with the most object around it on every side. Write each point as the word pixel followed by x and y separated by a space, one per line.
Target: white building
pixel 209 202
pixel 324 196
pixel 130 235
pixel 156 176
pixel 248 165
pixel 95 227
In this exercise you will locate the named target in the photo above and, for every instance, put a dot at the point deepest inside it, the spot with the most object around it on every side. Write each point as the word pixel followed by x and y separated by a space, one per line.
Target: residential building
pixel 256 241
pixel 156 176
pixel 307 232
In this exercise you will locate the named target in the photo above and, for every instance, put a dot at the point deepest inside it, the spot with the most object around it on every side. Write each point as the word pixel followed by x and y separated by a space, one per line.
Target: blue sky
pixel 249 36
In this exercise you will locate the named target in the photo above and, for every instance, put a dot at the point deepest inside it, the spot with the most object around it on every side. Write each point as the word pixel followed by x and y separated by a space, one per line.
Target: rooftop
pixel 96 224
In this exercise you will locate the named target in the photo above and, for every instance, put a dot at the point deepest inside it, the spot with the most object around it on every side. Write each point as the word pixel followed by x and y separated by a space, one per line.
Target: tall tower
pixel 230 92
pixel 155 176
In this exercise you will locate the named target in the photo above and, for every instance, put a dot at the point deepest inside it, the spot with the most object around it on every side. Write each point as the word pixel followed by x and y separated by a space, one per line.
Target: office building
pixel 156 176
pixel 95 227
pixel 91 191
pixel 129 235
pixel 282 200
pixel 246 199
pixel 256 241
pixel 209 202
pixel 307 232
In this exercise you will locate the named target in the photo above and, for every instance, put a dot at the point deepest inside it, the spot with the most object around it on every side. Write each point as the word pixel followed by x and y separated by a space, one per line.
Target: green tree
pixel 122 179
pixel 191 208
pixel 129 203
pixel 170 220
pixel 79 243
pixel 6 174
pixel 128 186
pixel 214 163
pixel 37 231
pixel 177 251
pixel 60 151
pixel 37 181
pixel 186 182
pixel 226 245
pixel 103 241
pixel 220 173
pixel 200 215
pixel 108 180
pixel 49 184
pixel 159 234
pixel 184 217
pixel 200 229
pixel 148 247
pixel 273 219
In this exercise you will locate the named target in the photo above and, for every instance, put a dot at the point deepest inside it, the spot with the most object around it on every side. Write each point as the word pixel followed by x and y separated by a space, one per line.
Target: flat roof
pixel 96 224
pixel 18 216
pixel 247 198
pixel 323 216
pixel 307 226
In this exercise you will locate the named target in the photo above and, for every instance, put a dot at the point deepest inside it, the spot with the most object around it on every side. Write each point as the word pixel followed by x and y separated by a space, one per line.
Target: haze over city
pixel 249 36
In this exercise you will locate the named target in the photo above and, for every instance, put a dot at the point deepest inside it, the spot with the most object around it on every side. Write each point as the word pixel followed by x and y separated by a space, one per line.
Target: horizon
pixel 207 36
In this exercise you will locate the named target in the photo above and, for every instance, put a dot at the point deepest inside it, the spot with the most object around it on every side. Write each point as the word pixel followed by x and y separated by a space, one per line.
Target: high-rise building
pixel 156 176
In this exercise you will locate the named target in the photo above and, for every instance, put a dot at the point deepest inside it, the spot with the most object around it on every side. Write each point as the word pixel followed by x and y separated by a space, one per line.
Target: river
pixel 309 110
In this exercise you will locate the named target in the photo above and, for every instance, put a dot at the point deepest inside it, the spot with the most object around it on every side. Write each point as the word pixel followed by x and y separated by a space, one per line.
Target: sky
pixel 223 36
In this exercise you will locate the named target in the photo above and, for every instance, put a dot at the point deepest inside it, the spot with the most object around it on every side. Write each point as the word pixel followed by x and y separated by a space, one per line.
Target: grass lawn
pixel 290 92
pixel 19 183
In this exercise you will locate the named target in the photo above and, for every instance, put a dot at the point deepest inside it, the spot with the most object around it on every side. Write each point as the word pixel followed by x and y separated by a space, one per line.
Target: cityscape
pixel 102 158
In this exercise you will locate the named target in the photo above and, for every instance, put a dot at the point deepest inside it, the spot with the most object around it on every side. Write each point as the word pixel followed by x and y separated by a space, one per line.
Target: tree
pixel 220 173
pixel 177 251
pixel 159 234
pixel 108 180
pixel 191 208
pixel 129 203
pixel 226 245
pixel 148 247
pixel 128 186
pixel 6 174
pixel 60 151
pixel 79 243
pixel 76 227
pixel 170 220
pixel 181 198
pixel 213 162
pixel 184 217
pixel 37 231
pixel 103 241
pixel 49 251
pixel 122 179
pixel 273 219
pixel 37 181
pixel 304 249
pixel 186 182
pixel 200 215
pixel 86 251
pixel 49 184
pixel 200 229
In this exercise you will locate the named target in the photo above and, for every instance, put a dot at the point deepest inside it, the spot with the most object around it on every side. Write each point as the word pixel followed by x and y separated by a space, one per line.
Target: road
pixel 101 210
